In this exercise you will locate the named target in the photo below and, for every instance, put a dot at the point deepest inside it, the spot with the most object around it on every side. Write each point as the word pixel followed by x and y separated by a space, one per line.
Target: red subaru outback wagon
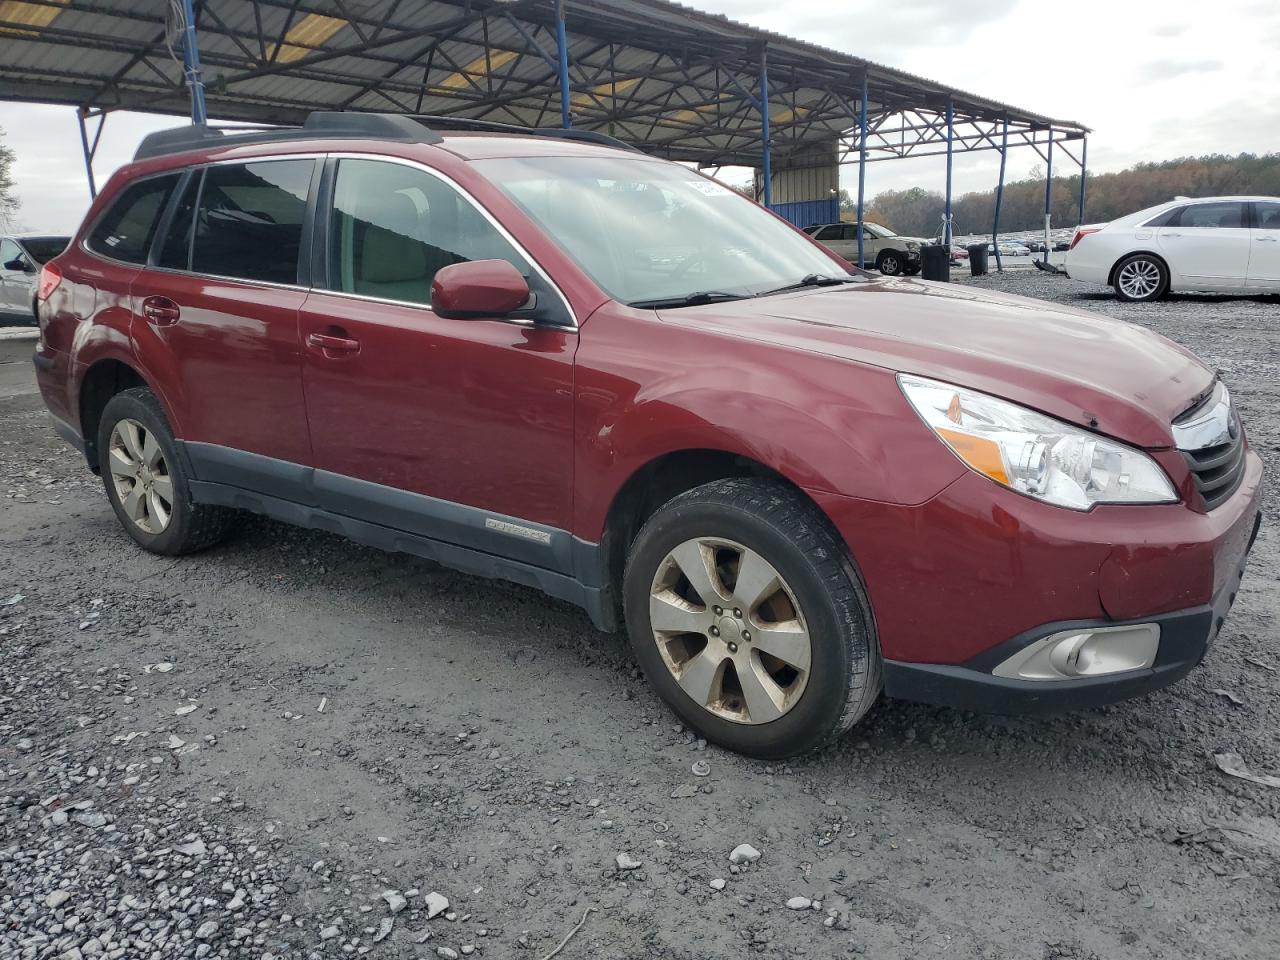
pixel 542 356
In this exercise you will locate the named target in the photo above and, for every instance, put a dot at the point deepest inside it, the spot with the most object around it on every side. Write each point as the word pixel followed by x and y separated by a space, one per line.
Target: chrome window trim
pixel 380 157
pixel 502 231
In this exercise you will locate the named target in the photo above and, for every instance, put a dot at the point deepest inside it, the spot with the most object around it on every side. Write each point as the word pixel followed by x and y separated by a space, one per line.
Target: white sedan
pixel 1218 244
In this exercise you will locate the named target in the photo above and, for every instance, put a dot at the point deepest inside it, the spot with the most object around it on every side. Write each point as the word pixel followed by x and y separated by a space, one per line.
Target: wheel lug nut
pixel 737 613
pixel 733 648
pixel 746 634
pixel 714 631
pixel 718 611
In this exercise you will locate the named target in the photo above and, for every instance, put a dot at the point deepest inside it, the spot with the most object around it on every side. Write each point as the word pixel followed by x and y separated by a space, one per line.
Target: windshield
pixel 646 230
pixel 44 249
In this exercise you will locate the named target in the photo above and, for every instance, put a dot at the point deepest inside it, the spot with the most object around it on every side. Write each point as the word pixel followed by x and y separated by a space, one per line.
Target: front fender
pixel 826 424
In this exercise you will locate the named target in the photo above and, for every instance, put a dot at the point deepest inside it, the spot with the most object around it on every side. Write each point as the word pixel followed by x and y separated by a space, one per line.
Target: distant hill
pixel 918 212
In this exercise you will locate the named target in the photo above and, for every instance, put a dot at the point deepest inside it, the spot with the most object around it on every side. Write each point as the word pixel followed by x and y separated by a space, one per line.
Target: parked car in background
pixel 1008 249
pixel 889 253
pixel 793 486
pixel 1215 244
pixel 21 258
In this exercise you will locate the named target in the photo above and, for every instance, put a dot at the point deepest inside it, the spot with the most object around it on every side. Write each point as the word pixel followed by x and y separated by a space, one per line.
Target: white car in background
pixel 1217 244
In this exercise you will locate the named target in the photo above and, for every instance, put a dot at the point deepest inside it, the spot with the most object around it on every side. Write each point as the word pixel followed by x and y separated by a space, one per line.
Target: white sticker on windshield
pixel 709 188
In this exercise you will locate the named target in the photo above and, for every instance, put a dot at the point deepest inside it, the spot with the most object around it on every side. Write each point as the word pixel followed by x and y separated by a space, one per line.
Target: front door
pixel 1264 247
pixel 1207 244
pixel 220 302
pixel 457 430
pixel 15 285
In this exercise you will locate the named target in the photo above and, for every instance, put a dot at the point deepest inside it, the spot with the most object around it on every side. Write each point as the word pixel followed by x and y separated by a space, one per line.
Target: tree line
pixel 918 212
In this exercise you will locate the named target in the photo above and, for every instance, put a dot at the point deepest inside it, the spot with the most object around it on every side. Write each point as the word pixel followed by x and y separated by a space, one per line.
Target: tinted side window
pixel 829 233
pixel 175 251
pixel 248 224
pixel 127 228
pixel 1209 215
pixel 392 227
pixel 1266 216
pixel 8 251
pixel 1164 219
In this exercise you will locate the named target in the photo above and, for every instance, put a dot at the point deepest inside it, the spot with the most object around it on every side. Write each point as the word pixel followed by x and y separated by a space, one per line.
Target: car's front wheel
pixel 1140 278
pixel 146 481
pixel 745 613
pixel 890 263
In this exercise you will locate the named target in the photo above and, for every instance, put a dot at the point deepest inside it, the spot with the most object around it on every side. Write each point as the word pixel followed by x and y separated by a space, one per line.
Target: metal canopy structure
pixel 673 81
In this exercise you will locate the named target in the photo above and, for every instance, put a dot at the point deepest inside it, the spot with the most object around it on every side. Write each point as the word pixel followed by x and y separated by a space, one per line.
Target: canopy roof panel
pixel 671 80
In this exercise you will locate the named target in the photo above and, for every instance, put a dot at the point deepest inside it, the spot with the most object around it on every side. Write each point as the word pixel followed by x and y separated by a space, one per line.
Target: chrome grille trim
pixel 1210 439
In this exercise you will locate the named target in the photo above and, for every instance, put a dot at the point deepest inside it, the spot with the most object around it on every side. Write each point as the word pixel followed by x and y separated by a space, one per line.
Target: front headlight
pixel 1035 454
pixel 912 245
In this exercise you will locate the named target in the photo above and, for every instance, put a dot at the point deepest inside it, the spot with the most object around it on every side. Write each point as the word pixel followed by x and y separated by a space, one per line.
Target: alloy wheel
pixel 890 266
pixel 1139 279
pixel 141 476
pixel 729 630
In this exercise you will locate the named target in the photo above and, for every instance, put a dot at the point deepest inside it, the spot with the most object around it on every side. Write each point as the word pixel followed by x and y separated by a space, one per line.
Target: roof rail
pixel 320 124
pixel 327 124
pixel 437 121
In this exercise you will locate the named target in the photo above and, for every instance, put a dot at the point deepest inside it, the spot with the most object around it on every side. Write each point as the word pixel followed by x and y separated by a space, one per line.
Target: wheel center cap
pixel 730 629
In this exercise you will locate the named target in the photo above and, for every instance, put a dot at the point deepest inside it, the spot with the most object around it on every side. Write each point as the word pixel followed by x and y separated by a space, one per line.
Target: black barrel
pixel 977 258
pixel 935 262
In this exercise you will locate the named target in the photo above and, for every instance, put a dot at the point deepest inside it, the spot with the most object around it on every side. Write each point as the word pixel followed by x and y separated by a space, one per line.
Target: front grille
pixel 1216 460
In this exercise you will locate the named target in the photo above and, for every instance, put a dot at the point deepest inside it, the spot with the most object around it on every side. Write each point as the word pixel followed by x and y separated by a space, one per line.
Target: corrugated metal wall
pixel 805 213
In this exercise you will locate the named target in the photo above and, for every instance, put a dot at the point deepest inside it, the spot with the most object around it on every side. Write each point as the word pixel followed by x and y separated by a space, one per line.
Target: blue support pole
pixel 88 152
pixel 1084 156
pixel 862 168
pixel 562 49
pixel 1048 194
pixel 765 160
pixel 946 225
pixel 995 224
pixel 191 63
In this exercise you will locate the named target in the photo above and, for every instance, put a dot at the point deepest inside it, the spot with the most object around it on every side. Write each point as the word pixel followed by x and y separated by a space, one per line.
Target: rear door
pixel 1264 246
pixel 217 306
pixel 1207 245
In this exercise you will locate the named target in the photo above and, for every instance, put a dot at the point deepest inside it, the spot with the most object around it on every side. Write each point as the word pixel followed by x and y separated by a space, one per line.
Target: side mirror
pixel 478 290
pixel 18 264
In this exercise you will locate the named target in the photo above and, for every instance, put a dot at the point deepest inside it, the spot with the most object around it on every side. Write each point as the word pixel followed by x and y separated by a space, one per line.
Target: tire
pixel 1141 278
pixel 816 590
pixel 143 439
pixel 890 263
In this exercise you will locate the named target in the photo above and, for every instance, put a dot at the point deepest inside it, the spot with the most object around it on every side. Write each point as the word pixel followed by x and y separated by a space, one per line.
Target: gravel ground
pixel 293 746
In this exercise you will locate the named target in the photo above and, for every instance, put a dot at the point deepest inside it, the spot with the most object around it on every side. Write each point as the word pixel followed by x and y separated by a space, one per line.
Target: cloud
pixel 1154 71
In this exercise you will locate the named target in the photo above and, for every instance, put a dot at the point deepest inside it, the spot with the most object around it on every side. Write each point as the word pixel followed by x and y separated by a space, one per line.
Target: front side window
pixel 1204 216
pixel 8 251
pixel 1266 216
pixel 393 226
pixel 125 231
pixel 44 249
pixel 248 223
pixel 649 230
pixel 832 232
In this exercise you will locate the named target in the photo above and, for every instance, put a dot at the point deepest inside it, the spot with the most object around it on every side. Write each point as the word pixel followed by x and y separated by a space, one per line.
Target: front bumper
pixel 1185 637
pixel 961 582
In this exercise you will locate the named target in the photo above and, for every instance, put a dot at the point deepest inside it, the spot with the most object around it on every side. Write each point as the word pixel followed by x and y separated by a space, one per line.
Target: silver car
pixel 21 258
pixel 891 254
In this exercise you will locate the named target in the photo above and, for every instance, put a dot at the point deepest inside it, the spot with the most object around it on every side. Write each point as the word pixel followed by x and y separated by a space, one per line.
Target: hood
pixel 1114 377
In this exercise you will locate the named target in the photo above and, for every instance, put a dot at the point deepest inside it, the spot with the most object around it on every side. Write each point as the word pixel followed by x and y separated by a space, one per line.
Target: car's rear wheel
pixel 1141 278
pixel 146 481
pixel 745 613
pixel 890 263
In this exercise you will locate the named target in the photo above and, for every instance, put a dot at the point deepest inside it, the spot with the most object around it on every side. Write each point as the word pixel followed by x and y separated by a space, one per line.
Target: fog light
pixel 1089 652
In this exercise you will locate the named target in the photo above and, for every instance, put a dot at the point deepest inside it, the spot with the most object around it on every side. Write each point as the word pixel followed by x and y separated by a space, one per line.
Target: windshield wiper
pixel 689 300
pixel 810 280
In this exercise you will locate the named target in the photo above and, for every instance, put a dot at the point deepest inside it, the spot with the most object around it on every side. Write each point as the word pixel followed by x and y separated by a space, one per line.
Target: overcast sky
pixel 1155 79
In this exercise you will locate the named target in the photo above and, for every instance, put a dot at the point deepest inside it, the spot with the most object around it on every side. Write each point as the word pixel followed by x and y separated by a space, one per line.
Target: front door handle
pixel 1266 239
pixel 1173 236
pixel 161 311
pixel 333 345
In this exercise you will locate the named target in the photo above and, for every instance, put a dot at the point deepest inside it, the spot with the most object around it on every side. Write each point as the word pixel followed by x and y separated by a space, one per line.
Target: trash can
pixel 977 258
pixel 935 262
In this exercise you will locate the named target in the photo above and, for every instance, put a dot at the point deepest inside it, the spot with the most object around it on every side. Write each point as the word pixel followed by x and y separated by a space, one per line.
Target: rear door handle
pixel 161 311
pixel 333 344
pixel 1266 239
